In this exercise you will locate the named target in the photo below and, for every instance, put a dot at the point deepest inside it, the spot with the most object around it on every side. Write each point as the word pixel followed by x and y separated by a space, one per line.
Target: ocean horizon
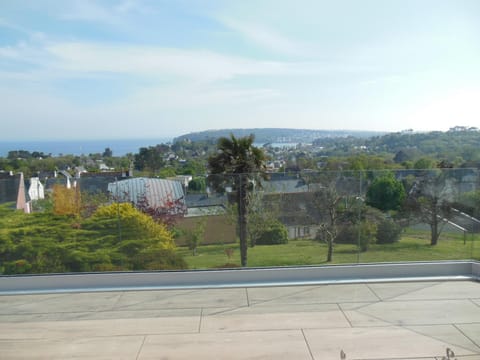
pixel 119 147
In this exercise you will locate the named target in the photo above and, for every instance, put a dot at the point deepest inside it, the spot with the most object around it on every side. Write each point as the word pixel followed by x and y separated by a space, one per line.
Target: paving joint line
pixel 200 321
pixel 474 302
pixel 248 299
pixel 412 291
pixel 409 328
pixel 468 337
pixel 345 315
pixel 308 345
pixel 311 287
pixel 373 292
pixel 117 301
pixel 141 347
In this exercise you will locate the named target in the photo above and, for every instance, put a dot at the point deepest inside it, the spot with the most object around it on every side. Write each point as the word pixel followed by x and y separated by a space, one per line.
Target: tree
pixel 197 184
pixel 196 235
pixel 274 233
pixel 327 200
pixel 386 193
pixel 151 158
pixel 430 200
pixel 324 206
pixel 107 153
pixel 66 201
pixel 238 164
pixel 423 163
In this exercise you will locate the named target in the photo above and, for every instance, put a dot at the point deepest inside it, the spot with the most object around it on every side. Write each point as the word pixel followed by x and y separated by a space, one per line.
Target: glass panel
pixel 104 223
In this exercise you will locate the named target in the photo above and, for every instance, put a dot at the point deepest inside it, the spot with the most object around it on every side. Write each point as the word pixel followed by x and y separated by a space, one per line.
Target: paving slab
pixel 9 302
pixel 356 318
pixel 91 328
pixel 316 295
pixel 449 334
pixel 375 343
pixel 264 294
pixel 234 346
pixel 472 331
pixel 99 315
pixel 276 317
pixel 445 290
pixel 119 347
pixel 74 302
pixel 428 312
pixel 182 299
pixel 386 291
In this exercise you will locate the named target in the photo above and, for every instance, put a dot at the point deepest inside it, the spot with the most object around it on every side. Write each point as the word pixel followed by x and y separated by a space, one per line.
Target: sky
pixel 85 69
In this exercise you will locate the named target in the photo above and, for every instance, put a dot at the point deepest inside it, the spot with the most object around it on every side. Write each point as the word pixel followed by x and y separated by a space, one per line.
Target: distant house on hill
pixel 97 183
pixel 36 190
pixel 209 209
pixel 150 192
pixel 206 204
pixel 12 189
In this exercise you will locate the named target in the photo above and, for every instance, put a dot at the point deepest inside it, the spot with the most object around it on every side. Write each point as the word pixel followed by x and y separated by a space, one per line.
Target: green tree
pixel 431 199
pixel 196 235
pixel 239 164
pixel 423 163
pixel 151 158
pixel 198 184
pixel 107 153
pixel 274 233
pixel 386 193
pixel 324 206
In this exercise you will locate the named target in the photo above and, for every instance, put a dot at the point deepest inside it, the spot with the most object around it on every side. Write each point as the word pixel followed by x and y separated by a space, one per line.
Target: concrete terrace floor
pixel 415 320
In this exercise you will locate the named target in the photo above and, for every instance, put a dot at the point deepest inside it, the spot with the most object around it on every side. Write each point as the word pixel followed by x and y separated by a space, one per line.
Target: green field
pixel 413 246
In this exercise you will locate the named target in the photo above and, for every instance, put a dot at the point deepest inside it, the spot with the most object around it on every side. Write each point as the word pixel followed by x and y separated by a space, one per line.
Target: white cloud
pixel 457 107
pixel 154 62
pixel 265 37
pixel 88 10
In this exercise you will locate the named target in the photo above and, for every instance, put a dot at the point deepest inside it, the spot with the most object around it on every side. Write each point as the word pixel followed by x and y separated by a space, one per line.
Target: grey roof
pixel 155 191
pixel 285 186
pixel 98 182
pixel 9 185
pixel 205 200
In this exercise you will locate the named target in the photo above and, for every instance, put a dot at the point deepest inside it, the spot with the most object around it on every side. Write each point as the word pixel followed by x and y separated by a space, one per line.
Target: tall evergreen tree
pixel 238 164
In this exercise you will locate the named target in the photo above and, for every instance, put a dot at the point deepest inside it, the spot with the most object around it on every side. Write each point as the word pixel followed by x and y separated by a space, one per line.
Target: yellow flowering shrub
pixel 135 225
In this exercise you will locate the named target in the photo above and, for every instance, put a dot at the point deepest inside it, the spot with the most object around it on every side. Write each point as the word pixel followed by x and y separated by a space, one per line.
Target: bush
pixel 21 266
pixel 276 234
pixel 159 259
pixel 359 234
pixel 347 235
pixel 367 232
pixel 388 232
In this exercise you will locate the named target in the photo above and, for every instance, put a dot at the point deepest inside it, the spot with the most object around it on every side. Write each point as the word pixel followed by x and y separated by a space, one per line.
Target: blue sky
pixel 144 69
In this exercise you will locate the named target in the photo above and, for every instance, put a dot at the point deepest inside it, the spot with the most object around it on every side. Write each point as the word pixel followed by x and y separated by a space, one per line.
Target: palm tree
pixel 239 164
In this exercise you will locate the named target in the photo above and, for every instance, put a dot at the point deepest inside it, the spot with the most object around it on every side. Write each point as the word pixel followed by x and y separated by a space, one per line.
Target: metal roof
pixel 155 191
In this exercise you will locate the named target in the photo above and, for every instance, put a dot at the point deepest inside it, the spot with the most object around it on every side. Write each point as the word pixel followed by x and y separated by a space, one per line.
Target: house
pixel 12 189
pixel 293 210
pixel 206 204
pixel 150 192
pixel 36 190
pixel 97 183
pixel 210 209
pixel 291 198
pixel 287 195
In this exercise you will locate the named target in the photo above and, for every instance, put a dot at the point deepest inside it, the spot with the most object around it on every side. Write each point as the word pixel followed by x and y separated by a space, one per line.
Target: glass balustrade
pixel 253 220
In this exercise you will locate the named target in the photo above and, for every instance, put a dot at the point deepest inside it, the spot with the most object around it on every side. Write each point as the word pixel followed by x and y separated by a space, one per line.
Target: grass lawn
pixel 414 246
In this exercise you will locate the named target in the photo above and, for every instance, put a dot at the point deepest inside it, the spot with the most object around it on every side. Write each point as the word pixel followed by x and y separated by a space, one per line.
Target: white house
pixel 36 191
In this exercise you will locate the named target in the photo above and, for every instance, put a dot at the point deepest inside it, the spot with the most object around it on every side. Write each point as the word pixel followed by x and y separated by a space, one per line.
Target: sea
pixel 119 147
